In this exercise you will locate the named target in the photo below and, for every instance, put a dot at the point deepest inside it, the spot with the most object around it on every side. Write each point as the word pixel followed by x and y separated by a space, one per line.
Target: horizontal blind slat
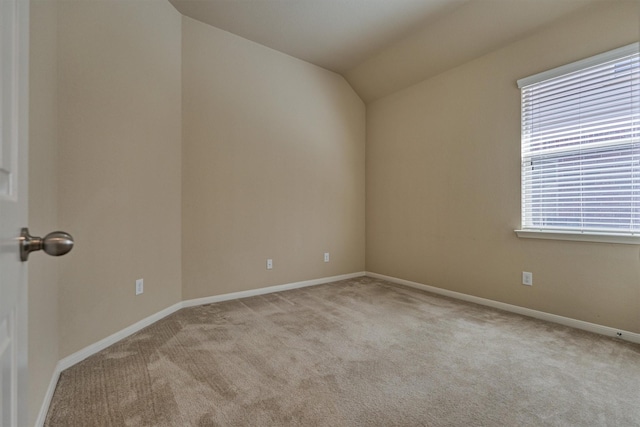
pixel 581 149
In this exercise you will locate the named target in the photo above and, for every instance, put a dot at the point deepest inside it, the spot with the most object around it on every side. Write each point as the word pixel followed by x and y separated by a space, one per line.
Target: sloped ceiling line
pixel 381 46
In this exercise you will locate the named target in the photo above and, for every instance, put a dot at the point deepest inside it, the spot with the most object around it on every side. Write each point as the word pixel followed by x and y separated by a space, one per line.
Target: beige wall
pixel 182 154
pixel 119 153
pixel 43 215
pixel 443 183
pixel 273 167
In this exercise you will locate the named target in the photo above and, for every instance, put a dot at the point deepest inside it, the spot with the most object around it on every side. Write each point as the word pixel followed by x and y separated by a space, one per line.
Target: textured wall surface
pixel 182 154
pixel 443 183
pixel 273 167
pixel 119 88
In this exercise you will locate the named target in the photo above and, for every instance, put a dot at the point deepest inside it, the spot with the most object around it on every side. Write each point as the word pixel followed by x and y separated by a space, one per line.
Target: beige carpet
pixel 361 352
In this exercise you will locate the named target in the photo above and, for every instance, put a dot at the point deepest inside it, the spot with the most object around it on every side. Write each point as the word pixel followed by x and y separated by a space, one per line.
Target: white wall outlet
pixel 326 257
pixel 269 264
pixel 139 286
pixel 527 278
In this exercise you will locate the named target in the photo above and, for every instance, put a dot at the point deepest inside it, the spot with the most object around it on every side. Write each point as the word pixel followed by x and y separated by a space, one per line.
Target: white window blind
pixel 581 146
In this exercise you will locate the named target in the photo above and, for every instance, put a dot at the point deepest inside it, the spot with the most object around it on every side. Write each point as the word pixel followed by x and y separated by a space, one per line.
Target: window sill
pixel 579 237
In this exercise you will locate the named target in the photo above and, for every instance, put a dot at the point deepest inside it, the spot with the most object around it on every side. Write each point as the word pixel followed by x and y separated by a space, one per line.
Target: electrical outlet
pixel 139 286
pixel 269 264
pixel 527 278
pixel 326 257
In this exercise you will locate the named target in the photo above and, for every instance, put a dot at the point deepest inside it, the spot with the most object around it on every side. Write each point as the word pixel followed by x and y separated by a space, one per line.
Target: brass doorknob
pixel 55 244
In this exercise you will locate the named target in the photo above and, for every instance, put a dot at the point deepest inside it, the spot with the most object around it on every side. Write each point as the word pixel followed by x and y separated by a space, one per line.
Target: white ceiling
pixel 366 40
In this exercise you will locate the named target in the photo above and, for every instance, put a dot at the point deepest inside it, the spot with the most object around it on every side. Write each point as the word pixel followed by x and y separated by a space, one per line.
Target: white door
pixel 14 31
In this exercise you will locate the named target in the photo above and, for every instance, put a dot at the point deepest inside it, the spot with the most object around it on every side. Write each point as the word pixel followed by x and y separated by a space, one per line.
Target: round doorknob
pixel 55 244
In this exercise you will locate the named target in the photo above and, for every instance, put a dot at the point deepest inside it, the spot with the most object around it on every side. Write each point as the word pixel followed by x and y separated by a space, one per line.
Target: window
pixel 581 149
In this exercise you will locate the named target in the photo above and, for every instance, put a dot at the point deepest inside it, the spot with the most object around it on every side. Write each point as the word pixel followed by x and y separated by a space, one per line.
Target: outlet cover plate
pixel 139 286
pixel 527 278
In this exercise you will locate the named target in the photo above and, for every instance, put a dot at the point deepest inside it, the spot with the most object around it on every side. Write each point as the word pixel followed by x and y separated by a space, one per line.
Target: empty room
pixel 320 213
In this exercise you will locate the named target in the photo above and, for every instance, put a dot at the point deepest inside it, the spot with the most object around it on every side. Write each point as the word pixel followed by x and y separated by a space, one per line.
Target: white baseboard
pixel 80 355
pixel 44 409
pixel 92 349
pixel 566 321
pixel 268 290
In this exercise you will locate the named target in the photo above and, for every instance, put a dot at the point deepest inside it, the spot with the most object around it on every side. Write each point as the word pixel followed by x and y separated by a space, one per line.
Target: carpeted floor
pixel 361 352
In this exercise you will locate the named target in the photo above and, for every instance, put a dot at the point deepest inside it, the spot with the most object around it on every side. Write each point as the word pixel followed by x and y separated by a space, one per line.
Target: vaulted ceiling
pixel 381 46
